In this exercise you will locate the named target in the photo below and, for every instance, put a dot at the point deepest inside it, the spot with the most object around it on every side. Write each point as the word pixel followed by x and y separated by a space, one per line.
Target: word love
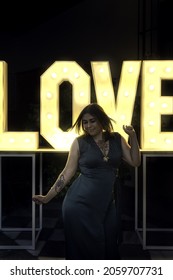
pixel 153 103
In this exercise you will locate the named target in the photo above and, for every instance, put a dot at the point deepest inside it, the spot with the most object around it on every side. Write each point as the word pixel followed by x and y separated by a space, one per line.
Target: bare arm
pixel 131 152
pixel 64 177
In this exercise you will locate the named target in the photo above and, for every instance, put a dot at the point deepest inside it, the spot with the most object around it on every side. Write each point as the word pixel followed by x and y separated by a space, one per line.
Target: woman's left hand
pixel 129 129
pixel 39 199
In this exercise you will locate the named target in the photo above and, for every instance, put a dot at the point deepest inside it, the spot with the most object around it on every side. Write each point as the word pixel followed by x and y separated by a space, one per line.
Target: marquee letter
pixel 12 141
pixel 120 110
pixel 154 105
pixel 50 81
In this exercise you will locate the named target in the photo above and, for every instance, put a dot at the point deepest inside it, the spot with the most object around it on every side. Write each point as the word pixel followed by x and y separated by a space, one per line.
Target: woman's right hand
pixel 39 199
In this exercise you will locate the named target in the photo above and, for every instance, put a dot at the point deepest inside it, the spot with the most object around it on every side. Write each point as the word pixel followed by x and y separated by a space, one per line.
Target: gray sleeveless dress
pixel 89 212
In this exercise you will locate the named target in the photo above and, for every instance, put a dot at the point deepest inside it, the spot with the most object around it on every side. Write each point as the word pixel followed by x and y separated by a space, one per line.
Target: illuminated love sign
pixel 153 104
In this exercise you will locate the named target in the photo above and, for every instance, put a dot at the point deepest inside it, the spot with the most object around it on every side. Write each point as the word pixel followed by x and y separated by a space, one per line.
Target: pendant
pixel 105 158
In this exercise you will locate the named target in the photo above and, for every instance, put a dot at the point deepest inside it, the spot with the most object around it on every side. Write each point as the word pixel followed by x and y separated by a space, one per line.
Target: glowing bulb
pixel 130 70
pixel 168 141
pixel 11 140
pixel 54 75
pixel 151 87
pixel 101 70
pixel 81 93
pixel 164 105
pixel 122 117
pixel 49 95
pixel 105 93
pixel 168 69
pixel 152 140
pixel 49 116
pixel 152 104
pixel 126 93
pixel 151 123
pixel 76 75
pixel 27 140
pixel 65 69
pixel 152 69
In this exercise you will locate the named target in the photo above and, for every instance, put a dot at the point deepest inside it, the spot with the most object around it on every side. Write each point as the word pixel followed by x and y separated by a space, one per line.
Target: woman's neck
pixel 99 137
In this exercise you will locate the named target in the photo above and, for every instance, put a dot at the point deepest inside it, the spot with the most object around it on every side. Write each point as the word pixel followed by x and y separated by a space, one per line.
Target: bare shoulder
pixel 75 143
pixel 124 143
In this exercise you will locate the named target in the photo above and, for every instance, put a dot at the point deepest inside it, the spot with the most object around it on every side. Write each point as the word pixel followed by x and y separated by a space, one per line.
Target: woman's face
pixel 91 125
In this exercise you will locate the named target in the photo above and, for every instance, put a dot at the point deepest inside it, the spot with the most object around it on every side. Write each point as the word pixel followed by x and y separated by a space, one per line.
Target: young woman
pixel 89 210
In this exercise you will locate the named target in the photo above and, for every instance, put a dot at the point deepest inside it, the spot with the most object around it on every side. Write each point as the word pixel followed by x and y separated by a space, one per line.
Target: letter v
pixel 120 108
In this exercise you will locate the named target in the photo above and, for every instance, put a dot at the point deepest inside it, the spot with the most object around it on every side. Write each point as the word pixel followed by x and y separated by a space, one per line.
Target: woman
pixel 89 211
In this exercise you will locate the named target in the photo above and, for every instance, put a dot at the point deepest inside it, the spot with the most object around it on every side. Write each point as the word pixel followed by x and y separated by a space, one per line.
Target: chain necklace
pixel 104 147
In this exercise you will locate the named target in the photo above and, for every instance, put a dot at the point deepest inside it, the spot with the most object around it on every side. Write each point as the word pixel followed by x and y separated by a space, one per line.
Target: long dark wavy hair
pixel 97 111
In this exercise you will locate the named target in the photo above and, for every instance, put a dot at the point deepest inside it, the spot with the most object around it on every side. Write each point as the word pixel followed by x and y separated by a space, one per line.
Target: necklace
pixel 104 147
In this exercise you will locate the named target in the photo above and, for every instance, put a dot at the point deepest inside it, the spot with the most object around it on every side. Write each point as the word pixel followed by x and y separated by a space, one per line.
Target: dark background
pixel 33 38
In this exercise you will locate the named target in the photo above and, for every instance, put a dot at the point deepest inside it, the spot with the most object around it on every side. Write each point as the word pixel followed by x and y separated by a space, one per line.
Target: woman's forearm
pixel 56 188
pixel 135 150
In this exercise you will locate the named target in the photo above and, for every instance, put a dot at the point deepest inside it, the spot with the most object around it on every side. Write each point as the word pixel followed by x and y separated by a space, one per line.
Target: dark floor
pixel 51 244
